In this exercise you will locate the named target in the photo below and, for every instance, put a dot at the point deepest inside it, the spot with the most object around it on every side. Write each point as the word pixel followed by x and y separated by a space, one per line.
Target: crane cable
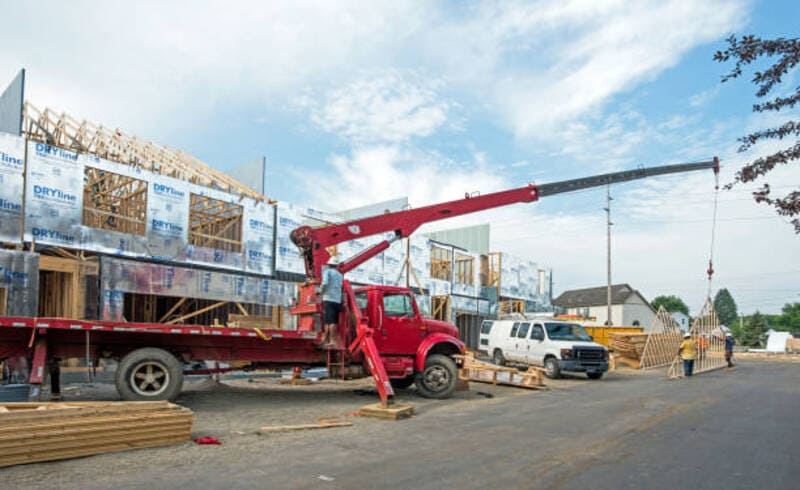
pixel 710 270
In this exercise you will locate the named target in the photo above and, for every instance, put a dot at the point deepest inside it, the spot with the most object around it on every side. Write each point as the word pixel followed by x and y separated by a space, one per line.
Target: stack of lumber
pixel 484 372
pixel 33 432
pixel 793 345
pixel 627 347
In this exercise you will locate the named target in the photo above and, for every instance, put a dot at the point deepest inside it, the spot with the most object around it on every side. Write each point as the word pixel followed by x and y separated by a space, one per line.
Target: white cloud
pixel 386 107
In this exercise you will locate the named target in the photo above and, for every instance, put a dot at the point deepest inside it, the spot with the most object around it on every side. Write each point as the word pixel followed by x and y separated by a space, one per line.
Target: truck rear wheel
pixel 439 378
pixel 149 374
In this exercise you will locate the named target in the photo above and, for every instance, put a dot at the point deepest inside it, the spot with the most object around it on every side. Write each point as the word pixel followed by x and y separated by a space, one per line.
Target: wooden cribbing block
pixel 392 412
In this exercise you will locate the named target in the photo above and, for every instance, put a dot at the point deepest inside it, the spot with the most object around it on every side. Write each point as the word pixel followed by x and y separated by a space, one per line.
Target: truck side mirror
pixel 591 337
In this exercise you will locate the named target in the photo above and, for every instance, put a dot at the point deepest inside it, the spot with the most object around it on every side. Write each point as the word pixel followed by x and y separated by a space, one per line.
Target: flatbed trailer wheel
pixel 439 379
pixel 149 374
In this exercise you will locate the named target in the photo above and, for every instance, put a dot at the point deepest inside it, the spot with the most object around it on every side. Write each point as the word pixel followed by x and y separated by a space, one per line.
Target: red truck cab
pixel 414 349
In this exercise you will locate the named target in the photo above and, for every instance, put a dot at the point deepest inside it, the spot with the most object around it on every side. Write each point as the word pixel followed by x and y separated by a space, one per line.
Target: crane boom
pixel 313 241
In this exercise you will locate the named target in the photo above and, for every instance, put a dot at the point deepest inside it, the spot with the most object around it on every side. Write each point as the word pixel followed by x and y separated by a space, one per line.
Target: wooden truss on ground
pixel 662 342
pixel 60 129
pixel 709 340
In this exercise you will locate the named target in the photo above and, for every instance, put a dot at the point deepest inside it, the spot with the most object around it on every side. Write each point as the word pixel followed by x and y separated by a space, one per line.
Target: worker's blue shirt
pixel 729 341
pixel 332 285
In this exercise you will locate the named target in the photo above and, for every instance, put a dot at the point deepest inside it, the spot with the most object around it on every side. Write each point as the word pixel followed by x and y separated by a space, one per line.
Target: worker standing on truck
pixel 729 343
pixel 331 291
pixel 688 352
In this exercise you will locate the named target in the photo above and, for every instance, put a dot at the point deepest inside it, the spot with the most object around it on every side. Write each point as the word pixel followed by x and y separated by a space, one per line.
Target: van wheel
pixel 439 379
pixel 498 358
pixel 149 374
pixel 551 368
pixel 402 383
pixel 594 375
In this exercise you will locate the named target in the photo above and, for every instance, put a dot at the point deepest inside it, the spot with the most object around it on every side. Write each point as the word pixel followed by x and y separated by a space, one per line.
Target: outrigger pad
pixel 392 412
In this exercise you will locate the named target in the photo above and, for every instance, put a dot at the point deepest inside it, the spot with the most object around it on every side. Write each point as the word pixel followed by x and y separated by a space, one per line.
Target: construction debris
pixel 484 372
pixel 324 424
pixel 33 432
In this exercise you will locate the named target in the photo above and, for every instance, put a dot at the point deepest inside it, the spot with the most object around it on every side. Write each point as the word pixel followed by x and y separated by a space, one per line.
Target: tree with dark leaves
pixel 670 303
pixel 754 331
pixel 725 307
pixel 786 55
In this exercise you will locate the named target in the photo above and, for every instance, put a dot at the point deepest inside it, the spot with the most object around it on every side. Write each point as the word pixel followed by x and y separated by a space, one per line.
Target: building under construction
pixel 98 224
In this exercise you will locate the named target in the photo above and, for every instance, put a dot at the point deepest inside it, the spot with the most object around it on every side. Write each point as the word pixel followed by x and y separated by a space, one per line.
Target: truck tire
pixel 149 374
pixel 402 383
pixel 594 375
pixel 497 358
pixel 439 379
pixel 551 368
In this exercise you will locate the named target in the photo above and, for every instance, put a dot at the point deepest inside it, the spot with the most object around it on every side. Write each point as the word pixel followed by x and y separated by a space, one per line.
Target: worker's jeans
pixel 688 366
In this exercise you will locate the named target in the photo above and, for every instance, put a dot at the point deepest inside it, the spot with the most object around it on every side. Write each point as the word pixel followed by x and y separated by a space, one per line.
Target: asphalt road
pixel 727 429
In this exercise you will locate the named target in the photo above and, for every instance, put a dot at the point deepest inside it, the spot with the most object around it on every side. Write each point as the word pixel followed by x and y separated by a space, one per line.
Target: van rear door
pixel 483 336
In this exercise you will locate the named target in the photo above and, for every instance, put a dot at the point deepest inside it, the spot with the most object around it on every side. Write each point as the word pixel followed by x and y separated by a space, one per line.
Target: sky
pixel 353 103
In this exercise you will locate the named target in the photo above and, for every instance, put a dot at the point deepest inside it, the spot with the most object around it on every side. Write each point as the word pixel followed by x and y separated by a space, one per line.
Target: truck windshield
pixel 566 331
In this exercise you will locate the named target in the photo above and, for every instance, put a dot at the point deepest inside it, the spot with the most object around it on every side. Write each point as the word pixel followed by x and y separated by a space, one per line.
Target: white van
pixel 558 346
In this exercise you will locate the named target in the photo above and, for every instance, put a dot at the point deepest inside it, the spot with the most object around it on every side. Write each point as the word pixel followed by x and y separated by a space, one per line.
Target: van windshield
pixel 566 331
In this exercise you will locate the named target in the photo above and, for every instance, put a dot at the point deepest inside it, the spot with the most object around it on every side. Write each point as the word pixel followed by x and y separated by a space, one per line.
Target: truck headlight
pixel 566 353
pixel 605 354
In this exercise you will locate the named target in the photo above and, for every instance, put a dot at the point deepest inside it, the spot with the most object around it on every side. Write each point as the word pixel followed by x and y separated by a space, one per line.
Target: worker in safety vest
pixel 331 292
pixel 688 352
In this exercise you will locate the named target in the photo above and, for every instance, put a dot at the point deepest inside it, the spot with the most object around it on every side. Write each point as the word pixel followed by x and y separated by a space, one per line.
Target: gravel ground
pixel 629 430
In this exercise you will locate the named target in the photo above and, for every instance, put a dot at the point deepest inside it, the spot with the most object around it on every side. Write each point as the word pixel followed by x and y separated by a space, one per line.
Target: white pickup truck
pixel 555 345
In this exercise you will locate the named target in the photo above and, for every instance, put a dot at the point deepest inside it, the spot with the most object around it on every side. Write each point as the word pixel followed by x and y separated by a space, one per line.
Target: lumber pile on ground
pixel 793 345
pixel 628 348
pixel 34 432
pixel 484 372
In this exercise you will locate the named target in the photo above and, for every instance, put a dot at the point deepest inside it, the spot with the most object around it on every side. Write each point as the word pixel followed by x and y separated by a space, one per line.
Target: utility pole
pixel 608 251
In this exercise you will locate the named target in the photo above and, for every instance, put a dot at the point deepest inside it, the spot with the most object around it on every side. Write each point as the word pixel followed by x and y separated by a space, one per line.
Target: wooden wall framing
pixel 464 269
pixel 215 224
pixel 63 290
pixel 440 308
pixel 114 202
pixel 441 263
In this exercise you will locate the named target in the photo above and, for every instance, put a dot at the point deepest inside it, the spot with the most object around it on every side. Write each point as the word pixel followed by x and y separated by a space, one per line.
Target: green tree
pixel 753 330
pixel 725 307
pixel 789 320
pixel 784 54
pixel 670 303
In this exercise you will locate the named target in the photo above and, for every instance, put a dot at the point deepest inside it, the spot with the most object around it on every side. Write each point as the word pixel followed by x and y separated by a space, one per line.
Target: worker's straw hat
pixel 687 336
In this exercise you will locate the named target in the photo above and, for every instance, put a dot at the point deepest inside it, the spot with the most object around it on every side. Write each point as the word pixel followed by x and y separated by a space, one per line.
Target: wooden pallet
pixel 484 372
pixel 34 432
pixel 392 412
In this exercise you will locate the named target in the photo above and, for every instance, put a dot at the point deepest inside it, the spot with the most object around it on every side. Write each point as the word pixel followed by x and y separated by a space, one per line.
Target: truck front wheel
pixel 551 368
pixel 498 358
pixel 149 374
pixel 439 378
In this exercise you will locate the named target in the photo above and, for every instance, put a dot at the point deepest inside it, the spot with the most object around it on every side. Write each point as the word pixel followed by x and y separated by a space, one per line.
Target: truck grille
pixel 590 355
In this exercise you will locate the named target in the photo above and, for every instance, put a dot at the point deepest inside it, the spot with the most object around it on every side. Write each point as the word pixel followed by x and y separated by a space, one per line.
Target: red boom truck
pixel 381 329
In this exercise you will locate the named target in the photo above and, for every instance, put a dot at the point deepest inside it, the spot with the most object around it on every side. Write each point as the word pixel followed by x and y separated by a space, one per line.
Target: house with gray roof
pixel 628 306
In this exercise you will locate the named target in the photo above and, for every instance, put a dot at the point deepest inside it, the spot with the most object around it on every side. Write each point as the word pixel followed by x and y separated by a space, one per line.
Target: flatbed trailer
pixel 46 340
